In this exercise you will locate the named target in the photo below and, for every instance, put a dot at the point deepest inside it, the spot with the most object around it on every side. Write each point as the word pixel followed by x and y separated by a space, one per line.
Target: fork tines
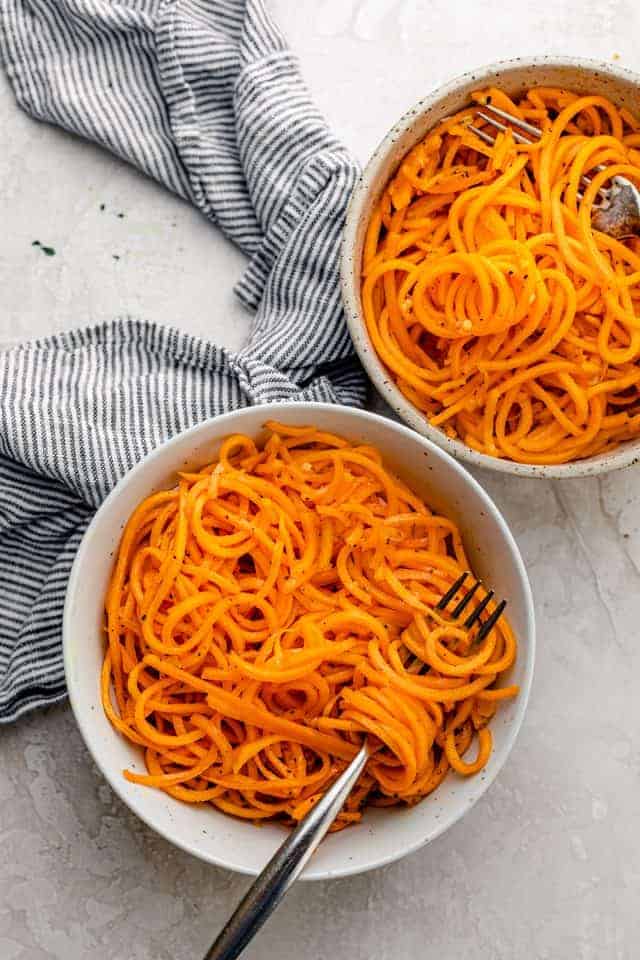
pixel 490 114
pixel 514 121
pixel 485 627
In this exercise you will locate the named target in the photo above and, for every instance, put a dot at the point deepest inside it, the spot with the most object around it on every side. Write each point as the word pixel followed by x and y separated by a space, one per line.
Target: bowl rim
pixel 83 718
pixel 624 456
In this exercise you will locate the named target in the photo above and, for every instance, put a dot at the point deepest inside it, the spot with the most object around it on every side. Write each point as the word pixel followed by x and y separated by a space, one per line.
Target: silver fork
pixel 617 214
pixel 287 863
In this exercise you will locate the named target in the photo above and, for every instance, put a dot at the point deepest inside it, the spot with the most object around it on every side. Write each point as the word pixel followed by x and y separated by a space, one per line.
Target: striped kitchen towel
pixel 204 96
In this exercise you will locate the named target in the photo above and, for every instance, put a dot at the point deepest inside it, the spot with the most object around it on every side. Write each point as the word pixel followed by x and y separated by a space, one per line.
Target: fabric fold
pixel 204 96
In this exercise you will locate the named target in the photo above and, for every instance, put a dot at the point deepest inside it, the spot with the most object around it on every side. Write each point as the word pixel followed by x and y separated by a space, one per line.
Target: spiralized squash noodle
pixel 498 309
pixel 275 606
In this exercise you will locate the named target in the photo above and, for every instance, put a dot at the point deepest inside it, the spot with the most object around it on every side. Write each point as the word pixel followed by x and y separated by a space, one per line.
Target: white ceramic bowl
pixel 383 835
pixel 513 76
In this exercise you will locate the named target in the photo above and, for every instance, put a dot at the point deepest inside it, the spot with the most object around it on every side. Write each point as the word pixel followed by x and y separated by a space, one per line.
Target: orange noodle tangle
pixel 277 605
pixel 497 308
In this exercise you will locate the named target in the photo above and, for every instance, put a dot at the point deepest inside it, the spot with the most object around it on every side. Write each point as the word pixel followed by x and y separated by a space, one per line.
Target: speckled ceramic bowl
pixel 384 834
pixel 514 76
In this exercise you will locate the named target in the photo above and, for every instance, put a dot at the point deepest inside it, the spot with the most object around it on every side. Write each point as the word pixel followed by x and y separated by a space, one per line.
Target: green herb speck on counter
pixel 48 251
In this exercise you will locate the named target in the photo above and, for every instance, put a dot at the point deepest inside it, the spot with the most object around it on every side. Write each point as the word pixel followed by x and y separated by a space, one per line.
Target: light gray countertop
pixel 547 865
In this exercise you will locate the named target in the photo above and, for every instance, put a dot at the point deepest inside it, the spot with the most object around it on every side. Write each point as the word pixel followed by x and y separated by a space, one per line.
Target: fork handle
pixel 285 866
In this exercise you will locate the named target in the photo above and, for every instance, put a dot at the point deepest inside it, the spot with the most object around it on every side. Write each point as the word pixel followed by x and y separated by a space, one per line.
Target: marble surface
pixel 547 865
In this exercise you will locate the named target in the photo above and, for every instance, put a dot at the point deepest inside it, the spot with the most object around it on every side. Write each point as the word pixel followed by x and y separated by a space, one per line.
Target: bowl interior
pixel 384 835
pixel 514 76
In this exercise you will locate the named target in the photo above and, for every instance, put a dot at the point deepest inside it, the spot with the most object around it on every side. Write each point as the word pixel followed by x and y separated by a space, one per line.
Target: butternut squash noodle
pixel 498 309
pixel 275 606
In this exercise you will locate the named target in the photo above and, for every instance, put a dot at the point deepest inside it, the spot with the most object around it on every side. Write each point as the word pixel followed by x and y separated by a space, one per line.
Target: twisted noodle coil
pixel 498 309
pixel 267 611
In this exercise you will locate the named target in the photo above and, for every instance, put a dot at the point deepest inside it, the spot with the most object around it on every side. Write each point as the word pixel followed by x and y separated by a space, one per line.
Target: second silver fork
pixel 618 213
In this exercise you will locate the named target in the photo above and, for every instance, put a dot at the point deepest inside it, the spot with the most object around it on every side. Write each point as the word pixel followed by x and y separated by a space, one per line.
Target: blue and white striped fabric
pixel 204 96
